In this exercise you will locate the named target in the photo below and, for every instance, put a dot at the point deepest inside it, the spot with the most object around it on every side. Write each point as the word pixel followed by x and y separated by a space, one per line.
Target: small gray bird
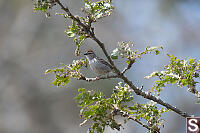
pixel 98 65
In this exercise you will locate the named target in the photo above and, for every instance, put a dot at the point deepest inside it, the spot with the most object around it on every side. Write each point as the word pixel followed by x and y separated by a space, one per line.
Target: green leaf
pixel 114 54
pixel 173 80
pixel 154 48
pixel 66 80
pixel 49 71
pixel 191 61
pixel 128 62
pixel 156 73
pixel 114 57
pixel 184 82
pixel 157 52
pixel 70 33
pixel 55 82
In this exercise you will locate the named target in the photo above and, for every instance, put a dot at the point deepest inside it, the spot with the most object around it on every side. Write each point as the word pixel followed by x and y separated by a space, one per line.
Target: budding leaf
pixel 48 71
pixel 55 82
pixel 114 57
pixel 157 52
pixel 66 80
pixel 69 33
pixel 128 62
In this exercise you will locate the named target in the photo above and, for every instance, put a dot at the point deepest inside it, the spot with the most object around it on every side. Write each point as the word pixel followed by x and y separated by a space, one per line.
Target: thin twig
pixel 117 71
pixel 125 114
pixel 66 9
pixel 128 67
pixel 96 79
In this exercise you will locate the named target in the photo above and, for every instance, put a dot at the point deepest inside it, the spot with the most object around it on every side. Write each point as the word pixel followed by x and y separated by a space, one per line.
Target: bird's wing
pixel 105 62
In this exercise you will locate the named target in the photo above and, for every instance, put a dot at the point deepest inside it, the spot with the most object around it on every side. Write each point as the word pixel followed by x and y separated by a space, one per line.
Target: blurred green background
pixel 31 43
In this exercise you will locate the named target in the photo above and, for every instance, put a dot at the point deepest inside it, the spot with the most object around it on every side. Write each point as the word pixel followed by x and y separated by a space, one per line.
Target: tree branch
pixel 121 75
pixel 96 79
pixel 124 114
pixel 116 112
pixel 66 9
pixel 136 90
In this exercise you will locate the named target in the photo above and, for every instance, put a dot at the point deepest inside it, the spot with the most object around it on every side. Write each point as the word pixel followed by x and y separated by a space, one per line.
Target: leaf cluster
pixel 125 50
pixel 93 12
pixel 63 74
pixel 101 111
pixel 182 72
pixel 78 33
pixel 97 10
pixel 43 5
pixel 150 113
